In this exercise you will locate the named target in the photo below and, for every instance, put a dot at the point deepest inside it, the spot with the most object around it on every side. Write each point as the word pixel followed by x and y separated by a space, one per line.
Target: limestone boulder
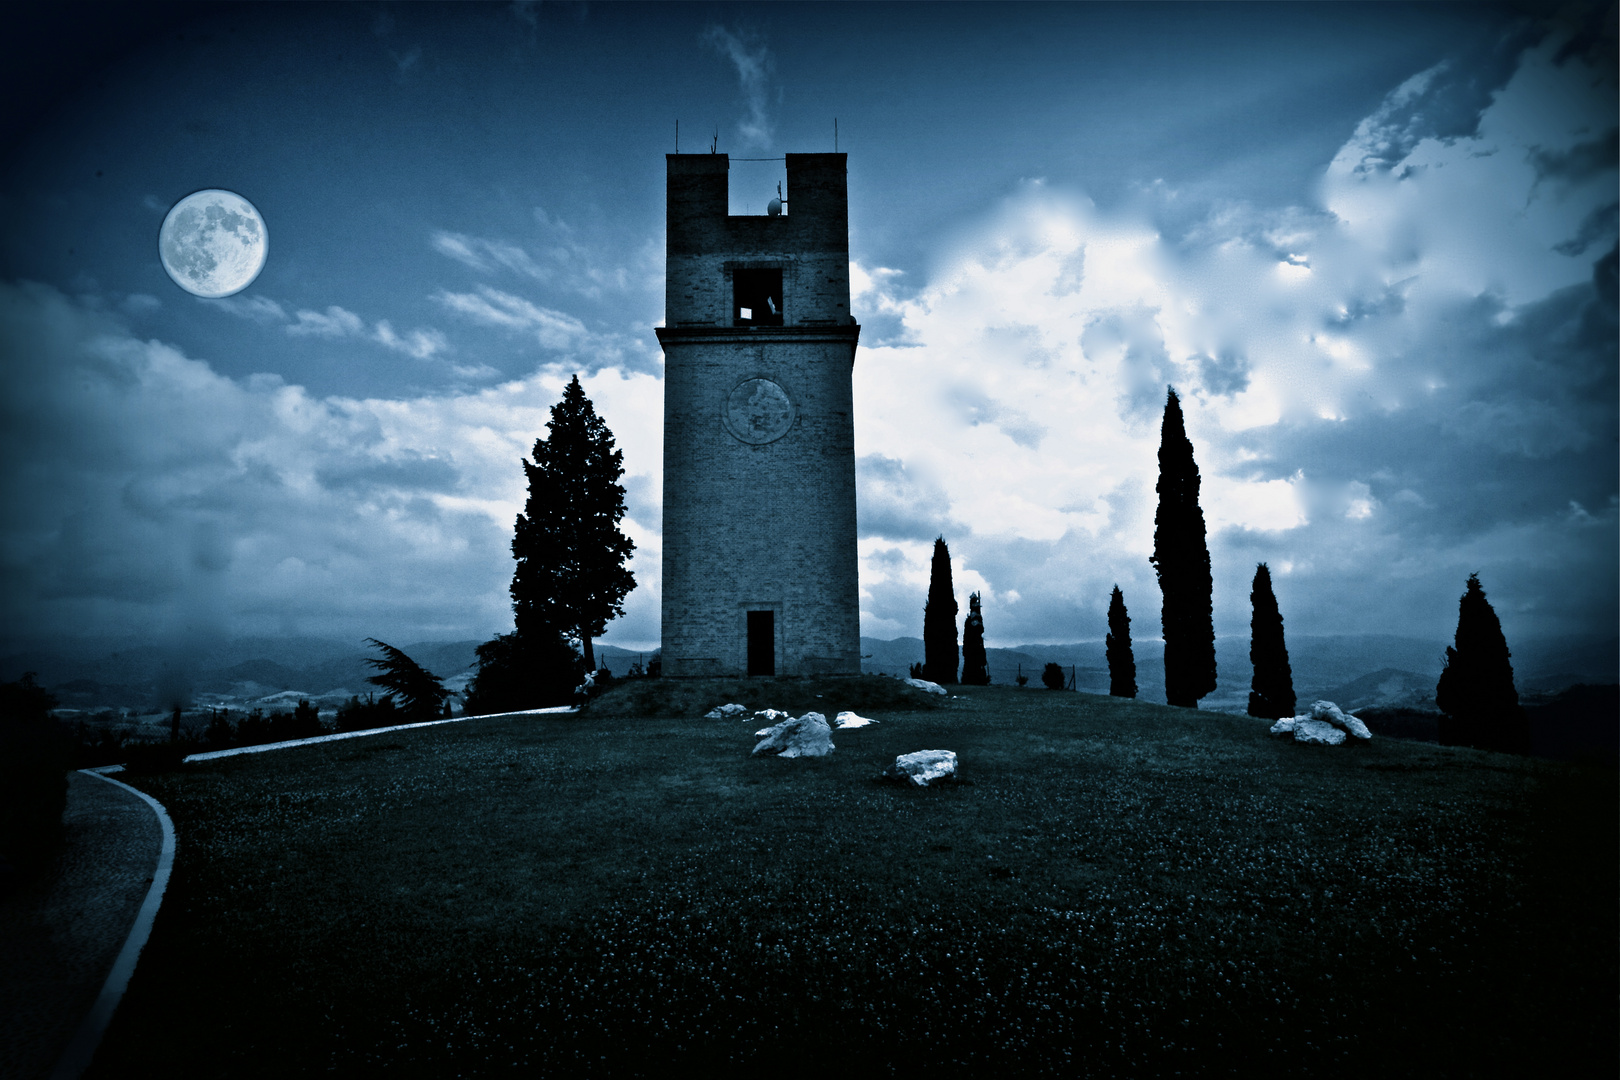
pixel 808 736
pixel 925 686
pixel 1325 725
pixel 726 712
pixel 1329 713
pixel 850 720
pixel 1318 732
pixel 923 767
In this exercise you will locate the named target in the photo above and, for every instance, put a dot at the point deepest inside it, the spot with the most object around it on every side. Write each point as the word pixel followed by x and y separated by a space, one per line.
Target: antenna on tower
pixel 677 136
pixel 714 147
pixel 835 134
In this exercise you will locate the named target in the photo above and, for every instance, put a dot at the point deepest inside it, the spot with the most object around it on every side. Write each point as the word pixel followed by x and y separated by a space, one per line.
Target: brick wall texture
pixel 759 526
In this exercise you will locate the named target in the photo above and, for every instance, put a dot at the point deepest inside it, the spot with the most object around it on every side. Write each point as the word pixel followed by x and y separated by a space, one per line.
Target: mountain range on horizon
pixel 1353 670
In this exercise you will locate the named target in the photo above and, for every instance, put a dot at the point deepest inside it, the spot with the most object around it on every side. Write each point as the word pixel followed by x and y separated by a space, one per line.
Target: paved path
pixel 60 935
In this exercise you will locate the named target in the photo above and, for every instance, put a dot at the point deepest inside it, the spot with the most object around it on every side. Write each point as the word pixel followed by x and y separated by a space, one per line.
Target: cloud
pixel 487 256
pixel 492 307
pixel 754 65
pixel 147 493
pixel 335 323
pixel 1409 382
pixel 560 260
pixel 259 309
pixel 422 344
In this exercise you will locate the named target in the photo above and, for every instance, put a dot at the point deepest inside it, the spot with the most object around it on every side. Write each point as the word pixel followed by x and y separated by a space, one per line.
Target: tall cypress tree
pixel 1121 664
pixel 1271 693
pixel 1476 691
pixel 1181 560
pixel 975 664
pixel 939 620
pixel 571 578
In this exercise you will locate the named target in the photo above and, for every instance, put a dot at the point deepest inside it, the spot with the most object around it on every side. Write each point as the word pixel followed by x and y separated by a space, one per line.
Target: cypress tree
pixel 975 665
pixel 939 620
pixel 1121 664
pixel 571 578
pixel 1476 692
pixel 1271 693
pixel 1181 560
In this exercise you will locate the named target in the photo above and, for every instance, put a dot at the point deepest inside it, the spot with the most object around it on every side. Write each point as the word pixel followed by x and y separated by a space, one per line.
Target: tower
pixel 759 435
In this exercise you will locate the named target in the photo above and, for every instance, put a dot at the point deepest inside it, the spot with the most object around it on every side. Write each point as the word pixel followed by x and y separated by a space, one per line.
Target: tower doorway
pixel 761 643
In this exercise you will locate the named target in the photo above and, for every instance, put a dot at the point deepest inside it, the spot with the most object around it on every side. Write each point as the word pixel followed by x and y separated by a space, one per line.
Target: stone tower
pixel 759 435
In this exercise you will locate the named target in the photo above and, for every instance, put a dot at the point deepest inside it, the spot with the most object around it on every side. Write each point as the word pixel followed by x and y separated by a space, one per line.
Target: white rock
pixel 1327 712
pixel 1320 732
pixel 808 736
pixel 923 767
pixel 725 712
pixel 772 716
pixel 849 719
pixel 1285 726
pixel 926 686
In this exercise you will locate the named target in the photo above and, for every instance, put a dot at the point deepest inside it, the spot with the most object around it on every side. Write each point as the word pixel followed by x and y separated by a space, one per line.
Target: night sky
pixel 1373 248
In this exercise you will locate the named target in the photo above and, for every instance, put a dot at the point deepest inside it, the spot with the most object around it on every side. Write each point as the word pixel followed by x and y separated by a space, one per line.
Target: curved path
pixel 69 940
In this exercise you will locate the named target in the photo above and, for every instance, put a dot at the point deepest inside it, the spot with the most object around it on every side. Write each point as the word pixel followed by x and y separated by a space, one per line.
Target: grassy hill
pixel 1117 888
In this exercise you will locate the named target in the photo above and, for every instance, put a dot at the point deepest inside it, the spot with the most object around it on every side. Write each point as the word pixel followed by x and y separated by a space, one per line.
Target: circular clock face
pixel 758 411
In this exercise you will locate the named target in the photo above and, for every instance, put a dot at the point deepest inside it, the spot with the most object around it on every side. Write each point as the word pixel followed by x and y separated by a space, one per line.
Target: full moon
pixel 213 243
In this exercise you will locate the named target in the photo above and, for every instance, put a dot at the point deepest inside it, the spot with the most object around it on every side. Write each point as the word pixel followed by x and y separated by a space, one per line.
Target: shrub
pixel 1052 677
pixel 515 673
pixel 220 733
pixel 357 715
pixel 35 755
pixel 253 729
pixel 146 758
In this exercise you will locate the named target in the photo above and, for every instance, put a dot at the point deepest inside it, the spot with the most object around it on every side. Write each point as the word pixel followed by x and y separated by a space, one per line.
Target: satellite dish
pixel 774 208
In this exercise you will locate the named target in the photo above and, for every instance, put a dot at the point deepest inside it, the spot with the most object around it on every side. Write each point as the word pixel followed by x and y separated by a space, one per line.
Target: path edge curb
pixel 76 1058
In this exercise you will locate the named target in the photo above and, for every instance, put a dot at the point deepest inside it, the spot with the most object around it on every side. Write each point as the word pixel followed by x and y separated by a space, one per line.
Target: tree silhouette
pixel 1117 644
pixel 1271 693
pixel 571 578
pixel 975 665
pixel 1476 692
pixel 939 620
pixel 1181 560
pixel 418 693
pixel 1052 677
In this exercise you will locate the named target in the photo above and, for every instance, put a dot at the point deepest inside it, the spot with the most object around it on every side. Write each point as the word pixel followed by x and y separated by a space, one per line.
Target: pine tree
pixel 1181 560
pixel 1476 691
pixel 419 693
pixel 1271 693
pixel 975 664
pixel 1117 644
pixel 571 578
pixel 939 620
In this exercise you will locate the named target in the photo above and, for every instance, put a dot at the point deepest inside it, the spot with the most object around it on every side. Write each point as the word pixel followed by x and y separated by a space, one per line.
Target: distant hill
pixel 1386 688
pixel 1353 670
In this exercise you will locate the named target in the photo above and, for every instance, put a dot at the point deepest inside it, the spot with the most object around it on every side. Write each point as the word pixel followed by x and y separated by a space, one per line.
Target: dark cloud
pixel 145 493
pixel 1580 162
pixel 409 471
pixel 1132 340
pixel 897 504
pixel 1225 373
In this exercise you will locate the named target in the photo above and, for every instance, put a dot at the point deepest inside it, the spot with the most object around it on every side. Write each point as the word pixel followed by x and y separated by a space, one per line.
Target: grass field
pixel 1117 889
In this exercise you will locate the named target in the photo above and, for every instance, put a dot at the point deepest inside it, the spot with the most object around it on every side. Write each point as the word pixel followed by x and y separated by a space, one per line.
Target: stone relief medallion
pixel 758 411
